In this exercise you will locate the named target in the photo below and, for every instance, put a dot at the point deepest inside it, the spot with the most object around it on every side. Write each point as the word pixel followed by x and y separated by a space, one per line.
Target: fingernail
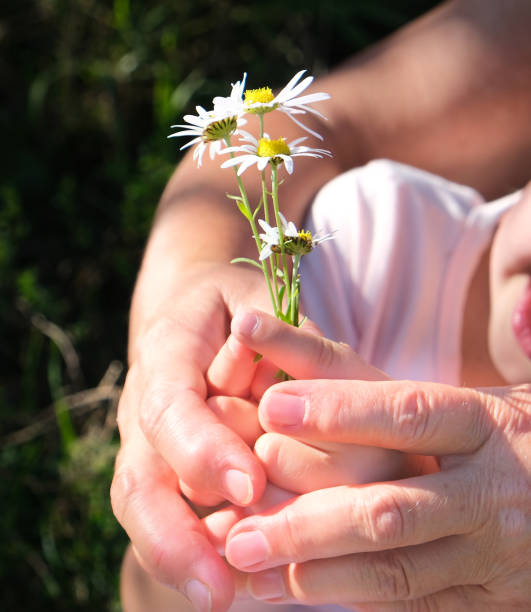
pixel 245 323
pixel 283 410
pixel 199 595
pixel 238 486
pixel 247 549
pixel 266 585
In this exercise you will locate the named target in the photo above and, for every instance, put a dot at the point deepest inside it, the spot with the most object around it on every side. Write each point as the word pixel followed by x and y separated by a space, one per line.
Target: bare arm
pixel 449 93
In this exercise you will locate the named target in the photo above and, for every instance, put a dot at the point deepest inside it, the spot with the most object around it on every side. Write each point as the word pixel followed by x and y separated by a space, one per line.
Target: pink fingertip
pixel 238 486
pixel 283 410
pixel 199 595
pixel 245 323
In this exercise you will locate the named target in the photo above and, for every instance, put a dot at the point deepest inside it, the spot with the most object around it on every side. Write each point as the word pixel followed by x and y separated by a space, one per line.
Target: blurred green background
pixel 89 89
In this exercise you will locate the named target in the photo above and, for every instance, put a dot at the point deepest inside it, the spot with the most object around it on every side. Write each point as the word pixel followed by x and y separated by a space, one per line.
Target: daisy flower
pixel 271 235
pixel 210 129
pixel 295 242
pixel 233 105
pixel 264 151
pixel 262 100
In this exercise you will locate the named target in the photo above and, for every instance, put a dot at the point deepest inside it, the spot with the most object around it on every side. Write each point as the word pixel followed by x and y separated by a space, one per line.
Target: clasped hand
pixel 449 536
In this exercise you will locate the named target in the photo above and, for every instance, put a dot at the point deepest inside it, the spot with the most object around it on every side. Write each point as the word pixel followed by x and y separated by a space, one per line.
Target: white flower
pixel 271 235
pixel 295 242
pixel 210 128
pixel 288 100
pixel 233 105
pixel 264 151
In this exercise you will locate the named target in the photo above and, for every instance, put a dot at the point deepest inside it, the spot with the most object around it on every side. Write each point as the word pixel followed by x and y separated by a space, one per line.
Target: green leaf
pixel 246 260
pixel 257 358
pixel 257 210
pixel 281 375
pixel 284 317
pixel 244 210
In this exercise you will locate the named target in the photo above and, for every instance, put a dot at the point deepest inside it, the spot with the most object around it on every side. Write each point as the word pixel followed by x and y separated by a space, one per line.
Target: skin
pixel 441 541
pixel 422 533
pixel 510 274
pixel 186 294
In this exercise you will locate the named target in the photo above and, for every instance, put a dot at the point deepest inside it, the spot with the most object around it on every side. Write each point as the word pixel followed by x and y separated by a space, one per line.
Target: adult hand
pixel 452 540
pixel 304 354
pixel 293 466
pixel 172 442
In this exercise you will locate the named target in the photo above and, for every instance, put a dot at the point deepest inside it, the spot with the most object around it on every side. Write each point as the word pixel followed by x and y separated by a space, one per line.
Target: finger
pixel 266 376
pixel 168 537
pixel 219 523
pixel 425 418
pixel 473 598
pixel 365 519
pixel 171 391
pixel 239 415
pixel 208 456
pixel 409 573
pixel 299 352
pixel 301 468
pixel 232 369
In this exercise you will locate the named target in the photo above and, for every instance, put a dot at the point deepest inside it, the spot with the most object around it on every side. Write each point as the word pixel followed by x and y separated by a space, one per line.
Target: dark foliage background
pixel 89 89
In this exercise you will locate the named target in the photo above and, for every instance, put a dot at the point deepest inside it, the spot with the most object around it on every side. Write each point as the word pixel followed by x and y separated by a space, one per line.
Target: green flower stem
pixel 274 190
pixel 264 197
pixel 272 260
pixel 295 293
pixel 245 199
pixel 261 119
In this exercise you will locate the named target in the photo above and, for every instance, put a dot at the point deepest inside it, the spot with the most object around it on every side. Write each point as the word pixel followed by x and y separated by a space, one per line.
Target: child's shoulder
pixel 386 183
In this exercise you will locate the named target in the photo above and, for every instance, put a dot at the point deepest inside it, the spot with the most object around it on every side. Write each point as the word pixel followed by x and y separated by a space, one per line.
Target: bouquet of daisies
pixel 280 244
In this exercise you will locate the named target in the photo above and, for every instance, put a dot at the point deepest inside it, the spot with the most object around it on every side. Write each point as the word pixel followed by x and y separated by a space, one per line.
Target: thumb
pixel 300 352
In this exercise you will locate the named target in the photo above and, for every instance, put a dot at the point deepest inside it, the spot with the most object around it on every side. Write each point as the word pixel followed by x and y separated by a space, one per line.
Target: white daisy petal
pixel 295 142
pixel 289 87
pixel 251 159
pixel 265 252
pixel 309 98
pixel 307 109
pixel 296 90
pixel 189 144
pixel 300 124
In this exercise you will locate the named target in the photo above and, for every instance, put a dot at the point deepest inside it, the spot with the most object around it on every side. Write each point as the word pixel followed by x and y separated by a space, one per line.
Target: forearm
pixel 449 93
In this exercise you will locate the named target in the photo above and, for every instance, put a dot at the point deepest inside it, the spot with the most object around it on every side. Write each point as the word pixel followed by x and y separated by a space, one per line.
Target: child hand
pixel 301 352
pixel 292 466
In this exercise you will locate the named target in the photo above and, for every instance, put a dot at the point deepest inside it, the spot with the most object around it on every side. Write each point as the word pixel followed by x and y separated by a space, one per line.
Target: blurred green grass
pixel 89 89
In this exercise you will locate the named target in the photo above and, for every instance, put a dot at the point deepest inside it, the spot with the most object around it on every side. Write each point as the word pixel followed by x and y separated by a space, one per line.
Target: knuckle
pixel 156 335
pixel 155 555
pixel 154 408
pixel 204 450
pixel 392 576
pixel 121 493
pixel 385 519
pixel 511 410
pixel 326 355
pixel 289 528
pixel 413 413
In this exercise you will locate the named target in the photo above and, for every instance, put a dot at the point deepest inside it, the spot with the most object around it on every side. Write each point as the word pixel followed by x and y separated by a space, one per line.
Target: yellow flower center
pixel 305 236
pixel 302 244
pixel 260 96
pixel 272 148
